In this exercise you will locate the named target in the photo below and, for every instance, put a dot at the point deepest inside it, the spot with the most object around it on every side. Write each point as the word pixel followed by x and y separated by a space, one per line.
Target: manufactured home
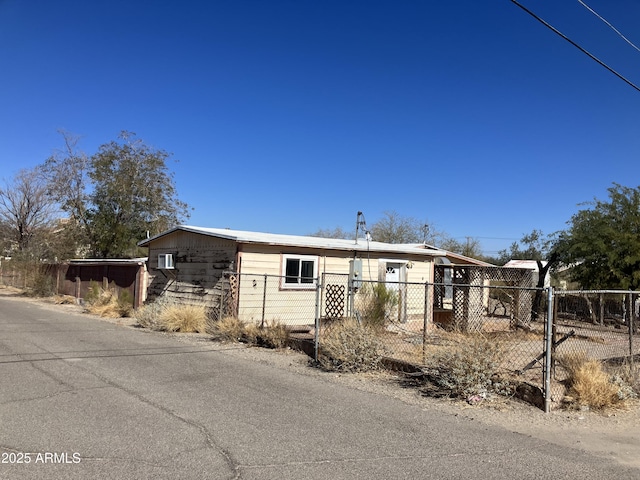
pixel 261 277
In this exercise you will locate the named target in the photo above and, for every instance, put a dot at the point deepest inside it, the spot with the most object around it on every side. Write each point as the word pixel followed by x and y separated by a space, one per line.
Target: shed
pixel 75 277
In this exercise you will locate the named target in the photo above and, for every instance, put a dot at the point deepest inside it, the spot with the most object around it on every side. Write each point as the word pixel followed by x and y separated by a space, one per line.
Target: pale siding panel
pixel 199 261
pixel 260 263
pixel 287 306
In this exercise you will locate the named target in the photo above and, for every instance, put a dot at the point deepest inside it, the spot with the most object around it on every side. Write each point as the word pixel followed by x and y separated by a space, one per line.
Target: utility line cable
pixel 608 24
pixel 590 55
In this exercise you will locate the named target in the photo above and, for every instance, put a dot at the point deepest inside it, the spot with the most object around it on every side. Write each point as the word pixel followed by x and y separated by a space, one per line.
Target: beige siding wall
pixel 199 263
pixel 201 260
pixel 263 300
pixel 297 307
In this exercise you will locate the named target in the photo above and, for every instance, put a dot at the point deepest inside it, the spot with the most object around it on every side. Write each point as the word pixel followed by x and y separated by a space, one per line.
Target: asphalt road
pixel 85 398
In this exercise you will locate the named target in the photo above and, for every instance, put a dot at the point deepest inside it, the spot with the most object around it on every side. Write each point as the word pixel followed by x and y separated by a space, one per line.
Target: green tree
pixel 541 248
pixel 116 196
pixel 532 246
pixel 133 194
pixel 602 243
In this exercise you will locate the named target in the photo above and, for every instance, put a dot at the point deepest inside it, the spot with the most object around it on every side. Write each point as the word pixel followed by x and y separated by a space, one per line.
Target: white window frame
pixel 298 285
pixel 165 261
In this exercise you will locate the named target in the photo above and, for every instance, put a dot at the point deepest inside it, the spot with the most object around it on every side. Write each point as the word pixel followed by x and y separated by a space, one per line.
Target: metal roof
pixel 108 261
pixel 528 264
pixel 263 238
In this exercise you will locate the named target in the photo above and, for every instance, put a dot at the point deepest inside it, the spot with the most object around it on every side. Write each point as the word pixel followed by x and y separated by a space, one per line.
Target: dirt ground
pixel 612 434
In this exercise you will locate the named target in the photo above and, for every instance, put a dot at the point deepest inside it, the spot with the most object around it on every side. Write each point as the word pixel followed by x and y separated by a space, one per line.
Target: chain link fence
pixel 596 325
pixel 419 323
pixel 266 300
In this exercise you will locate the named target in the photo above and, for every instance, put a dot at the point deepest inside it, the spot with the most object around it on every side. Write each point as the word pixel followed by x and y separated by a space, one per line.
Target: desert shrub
pixel 227 329
pixel 469 367
pixel 590 385
pixel 627 377
pixel 41 284
pixel 107 302
pixel 272 335
pixel 94 293
pixel 377 304
pixel 351 346
pixel 148 316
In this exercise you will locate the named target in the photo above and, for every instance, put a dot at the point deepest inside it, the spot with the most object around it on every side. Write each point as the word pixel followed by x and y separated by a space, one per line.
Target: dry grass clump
pixel 64 300
pixel 591 386
pixel 272 335
pixel 469 367
pixel 184 318
pixel 170 316
pixel 107 303
pixel 350 346
pixel 228 329
pixel 231 329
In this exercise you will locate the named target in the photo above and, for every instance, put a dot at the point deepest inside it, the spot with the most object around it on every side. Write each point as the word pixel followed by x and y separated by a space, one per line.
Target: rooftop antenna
pixel 361 223
pixel 425 233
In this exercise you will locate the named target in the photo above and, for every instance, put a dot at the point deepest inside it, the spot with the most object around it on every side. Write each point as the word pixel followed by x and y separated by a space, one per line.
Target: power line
pixel 608 24
pixel 590 55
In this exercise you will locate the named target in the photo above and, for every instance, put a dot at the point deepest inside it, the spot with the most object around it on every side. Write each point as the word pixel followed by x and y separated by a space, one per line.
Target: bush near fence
pixel 439 334
pixel 602 331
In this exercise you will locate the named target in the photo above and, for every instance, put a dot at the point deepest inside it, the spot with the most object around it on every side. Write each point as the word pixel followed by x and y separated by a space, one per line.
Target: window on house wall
pixel 165 261
pixel 300 271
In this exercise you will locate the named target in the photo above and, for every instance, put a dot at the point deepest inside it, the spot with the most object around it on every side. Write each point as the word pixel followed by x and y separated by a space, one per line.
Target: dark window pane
pixel 307 271
pixel 292 270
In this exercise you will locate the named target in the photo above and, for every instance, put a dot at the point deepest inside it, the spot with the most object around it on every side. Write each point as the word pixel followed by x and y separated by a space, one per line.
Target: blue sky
pixel 291 116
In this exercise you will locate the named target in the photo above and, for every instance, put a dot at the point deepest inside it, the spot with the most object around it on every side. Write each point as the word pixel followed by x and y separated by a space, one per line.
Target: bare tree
pixel 67 175
pixel 471 247
pixel 396 228
pixel 337 232
pixel 27 212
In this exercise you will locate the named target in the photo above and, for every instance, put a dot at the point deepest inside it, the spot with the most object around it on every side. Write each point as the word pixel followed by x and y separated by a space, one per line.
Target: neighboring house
pixel 257 272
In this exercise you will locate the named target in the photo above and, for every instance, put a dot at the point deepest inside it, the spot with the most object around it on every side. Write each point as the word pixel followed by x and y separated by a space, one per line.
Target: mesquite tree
pixel 117 195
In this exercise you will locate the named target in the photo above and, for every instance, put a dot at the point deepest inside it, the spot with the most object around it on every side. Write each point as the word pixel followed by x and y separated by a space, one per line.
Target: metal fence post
pixel 630 320
pixel 425 326
pixel 548 345
pixel 264 300
pixel 316 332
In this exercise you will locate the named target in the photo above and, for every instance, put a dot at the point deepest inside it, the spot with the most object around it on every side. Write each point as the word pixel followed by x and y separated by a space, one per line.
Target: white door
pixel 392 275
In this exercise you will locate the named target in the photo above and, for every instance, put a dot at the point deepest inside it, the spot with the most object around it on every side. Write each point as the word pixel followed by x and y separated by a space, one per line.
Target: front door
pixel 394 275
